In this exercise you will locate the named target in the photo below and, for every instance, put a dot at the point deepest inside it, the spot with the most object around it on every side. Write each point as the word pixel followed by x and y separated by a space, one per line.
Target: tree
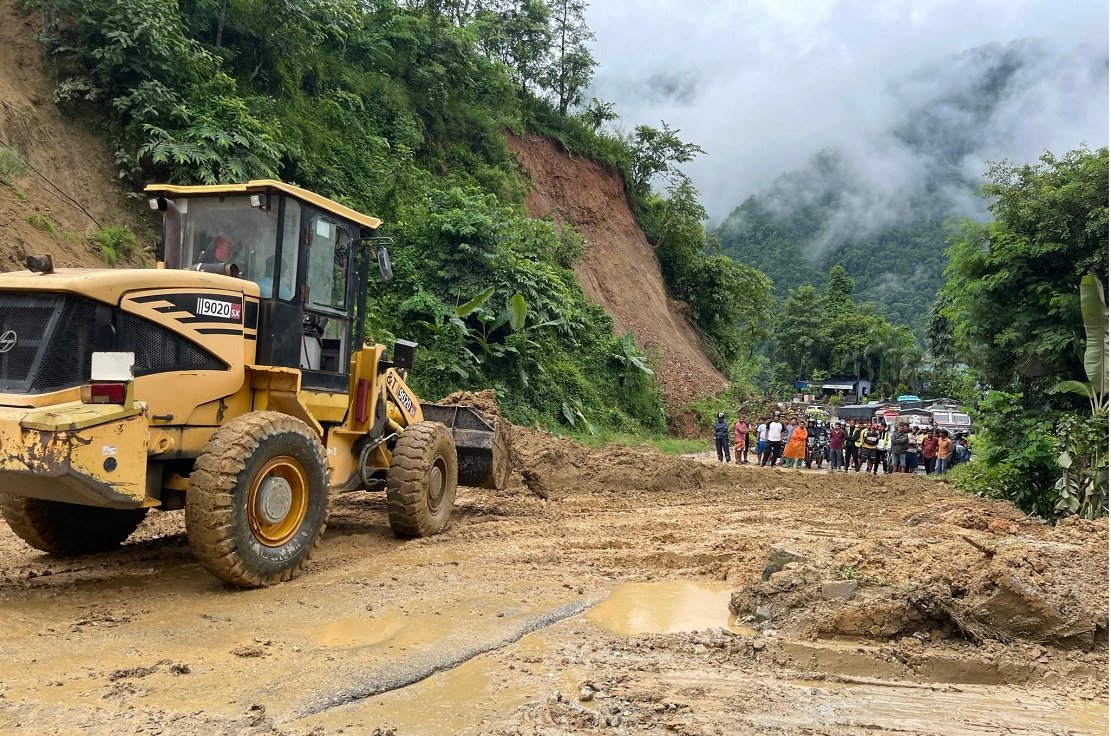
pixel 572 64
pixel 1014 312
pixel 730 302
pixel 839 288
pixel 1011 293
pixel 898 355
pixel 800 339
pixel 598 113
pixel 658 152
pixel 520 35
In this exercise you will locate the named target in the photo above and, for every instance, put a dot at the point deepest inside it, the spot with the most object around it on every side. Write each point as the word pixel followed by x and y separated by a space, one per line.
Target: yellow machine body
pixel 55 447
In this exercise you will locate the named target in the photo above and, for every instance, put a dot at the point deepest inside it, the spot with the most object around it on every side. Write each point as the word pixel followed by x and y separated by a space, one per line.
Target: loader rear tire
pixel 68 529
pixel 257 499
pixel 421 480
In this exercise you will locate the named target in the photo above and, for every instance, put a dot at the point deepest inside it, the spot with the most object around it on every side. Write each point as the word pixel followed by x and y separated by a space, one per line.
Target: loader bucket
pixel 480 445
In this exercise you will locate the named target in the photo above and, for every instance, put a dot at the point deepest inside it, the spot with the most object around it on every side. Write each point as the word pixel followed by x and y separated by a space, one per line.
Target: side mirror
pixel 385 266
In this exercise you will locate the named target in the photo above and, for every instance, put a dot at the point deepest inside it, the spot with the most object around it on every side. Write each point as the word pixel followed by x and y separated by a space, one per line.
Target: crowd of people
pixel 852 445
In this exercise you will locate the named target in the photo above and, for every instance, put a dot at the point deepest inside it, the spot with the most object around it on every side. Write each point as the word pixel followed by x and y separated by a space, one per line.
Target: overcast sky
pixel 764 84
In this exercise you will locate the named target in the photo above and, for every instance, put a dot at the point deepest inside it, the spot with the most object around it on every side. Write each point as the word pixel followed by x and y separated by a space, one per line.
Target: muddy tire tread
pixel 210 501
pixel 406 500
pixel 69 530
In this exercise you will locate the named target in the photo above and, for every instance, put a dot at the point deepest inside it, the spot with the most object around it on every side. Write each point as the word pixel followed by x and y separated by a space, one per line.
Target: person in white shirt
pixel 762 439
pixel 776 431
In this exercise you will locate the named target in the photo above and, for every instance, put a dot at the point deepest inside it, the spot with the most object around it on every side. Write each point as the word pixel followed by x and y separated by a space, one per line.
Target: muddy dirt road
pixel 593 596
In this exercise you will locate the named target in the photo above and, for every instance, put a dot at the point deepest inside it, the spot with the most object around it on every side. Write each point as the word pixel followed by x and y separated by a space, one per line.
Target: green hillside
pixel 881 211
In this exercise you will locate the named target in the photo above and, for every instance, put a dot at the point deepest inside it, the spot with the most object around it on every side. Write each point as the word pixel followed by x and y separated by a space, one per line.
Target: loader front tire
pixel 257 499
pixel 421 480
pixel 68 529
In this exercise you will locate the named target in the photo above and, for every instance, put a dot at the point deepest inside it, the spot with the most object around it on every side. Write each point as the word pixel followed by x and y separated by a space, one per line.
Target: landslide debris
pixel 552 467
pixel 990 578
pixel 36 217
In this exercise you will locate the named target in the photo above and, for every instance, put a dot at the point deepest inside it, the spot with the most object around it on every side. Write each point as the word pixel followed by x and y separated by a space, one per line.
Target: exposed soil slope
pixel 619 269
pixel 65 151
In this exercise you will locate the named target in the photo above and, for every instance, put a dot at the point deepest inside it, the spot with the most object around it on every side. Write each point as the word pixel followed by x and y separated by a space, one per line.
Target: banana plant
pixel 1093 308
pixel 1083 486
pixel 490 335
pixel 631 359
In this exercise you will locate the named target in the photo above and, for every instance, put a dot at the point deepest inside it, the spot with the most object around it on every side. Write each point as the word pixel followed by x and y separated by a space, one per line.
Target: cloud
pixel 763 85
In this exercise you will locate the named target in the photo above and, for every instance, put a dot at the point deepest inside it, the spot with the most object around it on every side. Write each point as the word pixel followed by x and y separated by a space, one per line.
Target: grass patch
pixel 115 243
pixel 852 572
pixel 39 221
pixel 12 166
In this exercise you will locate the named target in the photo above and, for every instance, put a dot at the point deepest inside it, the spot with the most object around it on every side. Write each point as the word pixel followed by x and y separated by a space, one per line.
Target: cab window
pixel 229 230
pixel 287 278
pixel 327 263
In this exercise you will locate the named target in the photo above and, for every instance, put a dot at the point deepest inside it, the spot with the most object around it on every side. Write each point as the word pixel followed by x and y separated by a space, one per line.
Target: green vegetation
pixel 1012 310
pixel 12 166
pixel 43 222
pixel 829 333
pixel 46 224
pixel 400 111
pixel 114 243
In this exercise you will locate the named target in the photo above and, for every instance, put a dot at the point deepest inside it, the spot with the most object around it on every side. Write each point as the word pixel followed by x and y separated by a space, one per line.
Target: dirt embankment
pixel 619 269
pixel 77 163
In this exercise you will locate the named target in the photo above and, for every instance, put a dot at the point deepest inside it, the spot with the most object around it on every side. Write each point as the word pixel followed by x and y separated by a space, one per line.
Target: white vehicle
pixel 952 419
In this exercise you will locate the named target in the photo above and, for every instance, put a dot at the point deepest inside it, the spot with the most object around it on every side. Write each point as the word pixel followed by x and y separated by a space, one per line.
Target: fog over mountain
pixel 763 86
pixel 847 132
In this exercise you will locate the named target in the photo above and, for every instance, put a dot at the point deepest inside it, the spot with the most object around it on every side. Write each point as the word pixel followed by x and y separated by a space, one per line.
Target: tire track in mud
pixel 402 674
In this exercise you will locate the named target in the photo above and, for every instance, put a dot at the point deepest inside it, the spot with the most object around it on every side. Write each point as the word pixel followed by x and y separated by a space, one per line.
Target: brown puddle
pixel 667 607
pixel 400 629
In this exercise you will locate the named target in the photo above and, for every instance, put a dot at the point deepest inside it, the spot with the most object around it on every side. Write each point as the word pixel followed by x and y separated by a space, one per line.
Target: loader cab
pixel 308 255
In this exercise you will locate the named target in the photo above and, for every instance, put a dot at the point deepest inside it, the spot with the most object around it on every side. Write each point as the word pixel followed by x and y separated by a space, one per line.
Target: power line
pixel 58 192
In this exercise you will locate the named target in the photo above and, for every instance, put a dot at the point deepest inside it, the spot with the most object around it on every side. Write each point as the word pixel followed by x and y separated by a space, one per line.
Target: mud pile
pixel 551 466
pixel 997 578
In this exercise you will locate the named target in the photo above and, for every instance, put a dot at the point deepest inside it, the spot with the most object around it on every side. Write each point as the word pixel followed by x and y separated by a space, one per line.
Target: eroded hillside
pixel 74 162
pixel 619 269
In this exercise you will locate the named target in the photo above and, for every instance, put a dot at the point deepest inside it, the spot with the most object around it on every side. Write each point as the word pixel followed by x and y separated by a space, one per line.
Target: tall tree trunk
pixel 220 24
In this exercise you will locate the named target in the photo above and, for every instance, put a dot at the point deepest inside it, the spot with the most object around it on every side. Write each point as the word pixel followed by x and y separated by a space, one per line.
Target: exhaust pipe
pixel 171 231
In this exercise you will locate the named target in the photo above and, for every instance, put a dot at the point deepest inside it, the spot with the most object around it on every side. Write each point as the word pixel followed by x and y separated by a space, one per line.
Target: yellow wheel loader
pixel 232 381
